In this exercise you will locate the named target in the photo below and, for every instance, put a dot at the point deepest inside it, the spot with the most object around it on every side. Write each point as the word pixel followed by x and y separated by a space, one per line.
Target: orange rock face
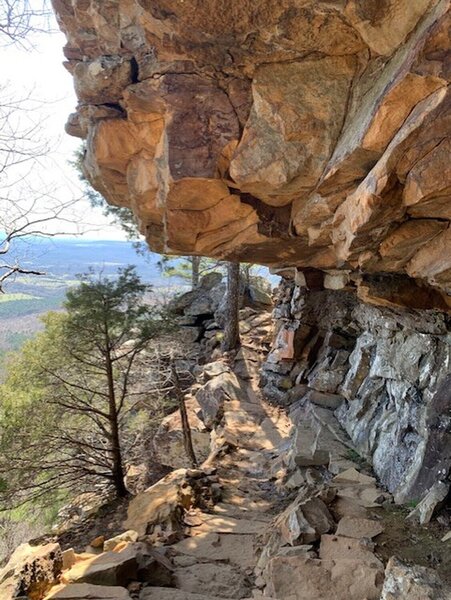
pixel 308 134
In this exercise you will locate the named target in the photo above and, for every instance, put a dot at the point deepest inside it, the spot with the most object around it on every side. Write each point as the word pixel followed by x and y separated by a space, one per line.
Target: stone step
pixel 237 549
pixel 161 593
pixel 214 579
pixel 87 591
pixel 240 512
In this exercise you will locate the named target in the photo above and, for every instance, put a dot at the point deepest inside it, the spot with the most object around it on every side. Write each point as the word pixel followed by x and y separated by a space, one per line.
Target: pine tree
pixel 68 393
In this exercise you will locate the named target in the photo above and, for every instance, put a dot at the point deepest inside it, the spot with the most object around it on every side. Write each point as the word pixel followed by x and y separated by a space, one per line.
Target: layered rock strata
pixel 385 372
pixel 313 134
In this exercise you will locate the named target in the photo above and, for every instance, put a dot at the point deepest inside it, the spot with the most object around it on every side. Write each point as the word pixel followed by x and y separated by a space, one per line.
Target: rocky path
pixel 281 510
pixel 219 558
pixel 315 542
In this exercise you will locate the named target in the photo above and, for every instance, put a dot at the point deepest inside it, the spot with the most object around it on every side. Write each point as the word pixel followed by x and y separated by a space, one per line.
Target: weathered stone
pixel 335 547
pixel 336 280
pixel 289 150
pixel 162 503
pixel 30 572
pixel 359 528
pixel 281 134
pixel 127 536
pixel 214 579
pixel 399 247
pixel 198 302
pixel 403 582
pixel 431 263
pixel 87 591
pixel 136 477
pixel 212 370
pixel 353 476
pixel 295 480
pixel 433 501
pixel 318 439
pixel 214 393
pixel 107 569
pixel 343 507
pixel 396 354
pixel 331 401
pixel 97 542
pixel 304 578
pixel 69 558
pixel 102 80
pixel 304 520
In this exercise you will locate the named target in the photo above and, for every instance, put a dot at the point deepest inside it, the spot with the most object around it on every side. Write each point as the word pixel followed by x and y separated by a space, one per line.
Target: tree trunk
pixel 116 454
pixel 195 272
pixel 246 270
pixel 187 439
pixel 231 329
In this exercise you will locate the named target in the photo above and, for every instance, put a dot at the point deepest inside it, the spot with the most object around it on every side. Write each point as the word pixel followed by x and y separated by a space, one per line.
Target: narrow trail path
pixel 220 557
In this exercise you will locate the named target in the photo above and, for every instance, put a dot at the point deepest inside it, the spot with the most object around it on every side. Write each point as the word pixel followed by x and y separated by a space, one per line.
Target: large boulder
pixel 211 397
pixel 200 302
pixel 305 520
pixel 30 572
pixel 318 438
pixel 404 582
pixel 160 509
pixel 168 441
pixel 107 569
pixel 313 134
pixel 161 504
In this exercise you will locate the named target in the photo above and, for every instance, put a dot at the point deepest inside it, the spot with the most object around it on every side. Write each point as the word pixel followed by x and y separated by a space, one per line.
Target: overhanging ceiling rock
pixel 308 134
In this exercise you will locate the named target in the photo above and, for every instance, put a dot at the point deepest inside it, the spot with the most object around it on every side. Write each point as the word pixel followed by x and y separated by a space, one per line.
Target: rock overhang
pixel 294 134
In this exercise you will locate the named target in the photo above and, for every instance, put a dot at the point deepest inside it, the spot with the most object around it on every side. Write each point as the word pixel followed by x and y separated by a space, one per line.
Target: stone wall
pixel 390 368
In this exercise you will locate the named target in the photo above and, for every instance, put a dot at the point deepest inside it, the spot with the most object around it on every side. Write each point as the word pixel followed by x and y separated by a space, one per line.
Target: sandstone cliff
pixel 284 132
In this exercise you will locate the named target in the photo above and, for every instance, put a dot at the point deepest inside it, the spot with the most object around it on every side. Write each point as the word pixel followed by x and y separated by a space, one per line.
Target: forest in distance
pixel 61 261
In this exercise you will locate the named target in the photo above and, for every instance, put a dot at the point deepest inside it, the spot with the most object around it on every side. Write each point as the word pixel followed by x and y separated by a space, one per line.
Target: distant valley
pixel 61 262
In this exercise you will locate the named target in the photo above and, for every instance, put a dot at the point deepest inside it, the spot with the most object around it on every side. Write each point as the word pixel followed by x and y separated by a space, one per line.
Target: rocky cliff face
pixel 313 137
pixel 286 132
pixel 386 372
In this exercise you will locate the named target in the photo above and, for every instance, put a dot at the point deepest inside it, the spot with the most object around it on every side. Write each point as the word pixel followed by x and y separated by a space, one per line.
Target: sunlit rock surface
pixel 286 132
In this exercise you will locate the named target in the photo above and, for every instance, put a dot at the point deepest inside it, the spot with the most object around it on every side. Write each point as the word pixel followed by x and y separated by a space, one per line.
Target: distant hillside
pixel 62 261
pixel 67 257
